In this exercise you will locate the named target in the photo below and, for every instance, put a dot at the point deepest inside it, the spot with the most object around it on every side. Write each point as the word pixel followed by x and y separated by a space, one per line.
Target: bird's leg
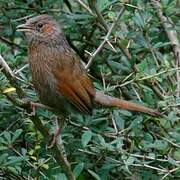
pixel 35 105
pixel 59 123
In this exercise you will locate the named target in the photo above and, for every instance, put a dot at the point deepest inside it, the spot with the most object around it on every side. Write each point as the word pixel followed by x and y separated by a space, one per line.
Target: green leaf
pixel 60 176
pixel 78 169
pixel 93 174
pixel 3 148
pixel 16 134
pixel 14 170
pixel 175 136
pixel 129 161
pixel 158 144
pixel 135 123
pixel 109 166
pixel 148 137
pixel 15 159
pixel 7 136
pixel 104 4
pixel 143 66
pixel 2 141
pixel 138 20
pixel 86 137
pixel 176 154
pixel 141 41
pixel 125 112
pixel 173 161
pixel 101 139
pixel 160 44
pixel 3 158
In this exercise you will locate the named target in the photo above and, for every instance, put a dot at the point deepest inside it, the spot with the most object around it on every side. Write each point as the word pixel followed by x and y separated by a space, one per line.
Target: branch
pixel 124 50
pixel 85 7
pixel 56 149
pixel 6 41
pixel 92 4
pixel 11 77
pixel 105 27
pixel 106 39
pixel 173 38
pixel 5 66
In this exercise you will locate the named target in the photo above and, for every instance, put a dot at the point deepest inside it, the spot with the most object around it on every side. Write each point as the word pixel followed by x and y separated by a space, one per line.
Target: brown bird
pixel 58 74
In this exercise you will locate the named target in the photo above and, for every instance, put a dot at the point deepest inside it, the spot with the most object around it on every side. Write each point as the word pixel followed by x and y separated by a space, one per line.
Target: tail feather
pixel 109 101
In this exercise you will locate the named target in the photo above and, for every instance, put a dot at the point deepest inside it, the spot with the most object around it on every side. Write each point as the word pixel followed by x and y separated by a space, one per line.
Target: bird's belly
pixel 49 95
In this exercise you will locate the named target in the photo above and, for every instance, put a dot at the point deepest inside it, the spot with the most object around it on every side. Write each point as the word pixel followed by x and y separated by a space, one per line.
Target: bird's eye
pixel 40 25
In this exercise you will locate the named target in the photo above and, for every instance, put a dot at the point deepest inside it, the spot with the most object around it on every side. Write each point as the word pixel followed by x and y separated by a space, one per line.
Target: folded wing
pixel 74 84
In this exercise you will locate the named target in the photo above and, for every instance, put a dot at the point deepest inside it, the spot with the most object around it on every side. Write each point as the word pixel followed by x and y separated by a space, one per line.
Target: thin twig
pixel 173 38
pixel 151 50
pixel 138 96
pixel 162 170
pixel 93 5
pixel 11 77
pixel 6 66
pixel 6 41
pixel 85 7
pixel 157 74
pixel 19 70
pixel 114 124
pixel 169 172
pixel 145 78
pixel 169 141
pixel 105 39
pixel 130 5
pixel 155 168
pixel 151 158
pixel 124 50
pixel 23 18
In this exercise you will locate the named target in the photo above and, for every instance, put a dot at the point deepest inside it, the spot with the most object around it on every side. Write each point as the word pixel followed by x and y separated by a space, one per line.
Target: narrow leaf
pixel 78 169
pixel 86 137
pixel 93 174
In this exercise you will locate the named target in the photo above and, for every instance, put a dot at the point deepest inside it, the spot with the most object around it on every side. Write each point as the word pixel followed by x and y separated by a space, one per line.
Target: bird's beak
pixel 24 28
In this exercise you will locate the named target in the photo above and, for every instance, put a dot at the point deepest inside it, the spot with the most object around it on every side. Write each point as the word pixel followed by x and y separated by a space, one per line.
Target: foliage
pixel 137 63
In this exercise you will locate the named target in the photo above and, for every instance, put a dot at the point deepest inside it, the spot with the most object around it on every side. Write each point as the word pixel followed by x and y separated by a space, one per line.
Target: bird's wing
pixel 74 83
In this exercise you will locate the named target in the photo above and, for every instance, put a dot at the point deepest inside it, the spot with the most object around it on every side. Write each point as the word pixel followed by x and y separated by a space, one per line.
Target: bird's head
pixel 40 27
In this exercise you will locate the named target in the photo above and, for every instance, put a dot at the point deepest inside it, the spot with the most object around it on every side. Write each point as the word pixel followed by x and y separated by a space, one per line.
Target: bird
pixel 59 75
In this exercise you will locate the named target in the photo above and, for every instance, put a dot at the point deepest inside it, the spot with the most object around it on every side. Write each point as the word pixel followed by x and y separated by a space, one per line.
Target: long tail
pixel 109 101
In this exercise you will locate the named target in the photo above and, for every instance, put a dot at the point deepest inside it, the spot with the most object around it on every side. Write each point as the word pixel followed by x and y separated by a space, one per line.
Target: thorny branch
pixel 106 39
pixel 93 5
pixel 85 7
